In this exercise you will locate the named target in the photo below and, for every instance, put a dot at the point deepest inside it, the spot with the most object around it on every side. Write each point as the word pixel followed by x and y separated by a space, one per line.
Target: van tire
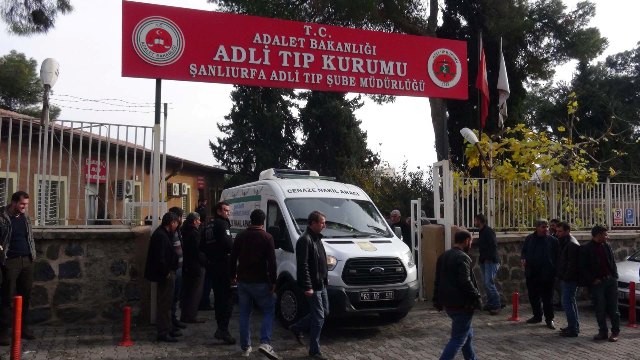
pixel 291 305
pixel 393 316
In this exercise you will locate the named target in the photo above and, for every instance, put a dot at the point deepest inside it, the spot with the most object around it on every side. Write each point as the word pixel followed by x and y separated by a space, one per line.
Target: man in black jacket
pixel 568 275
pixel 162 262
pixel 216 244
pixel 599 271
pixel 395 221
pixel 456 291
pixel 312 275
pixel 489 262
pixel 538 257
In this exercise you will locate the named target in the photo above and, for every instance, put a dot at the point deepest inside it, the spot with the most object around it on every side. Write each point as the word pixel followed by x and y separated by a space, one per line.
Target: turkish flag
pixel 483 85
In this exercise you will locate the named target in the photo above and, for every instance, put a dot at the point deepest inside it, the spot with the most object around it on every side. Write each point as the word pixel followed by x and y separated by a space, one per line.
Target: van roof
pixel 304 188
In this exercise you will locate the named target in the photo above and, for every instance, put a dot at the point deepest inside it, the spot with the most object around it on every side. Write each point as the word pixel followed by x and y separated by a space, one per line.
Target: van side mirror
pixel 281 241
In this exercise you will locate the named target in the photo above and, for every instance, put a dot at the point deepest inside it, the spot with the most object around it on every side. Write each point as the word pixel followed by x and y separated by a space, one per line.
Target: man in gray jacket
pixel 18 253
pixel 568 275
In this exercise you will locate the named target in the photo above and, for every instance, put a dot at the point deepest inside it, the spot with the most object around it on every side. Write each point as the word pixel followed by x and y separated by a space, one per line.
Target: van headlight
pixel 332 262
pixel 408 258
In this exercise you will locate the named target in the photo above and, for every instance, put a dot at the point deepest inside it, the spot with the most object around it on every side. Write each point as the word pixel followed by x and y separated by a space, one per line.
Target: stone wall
pixel 86 274
pixel 510 276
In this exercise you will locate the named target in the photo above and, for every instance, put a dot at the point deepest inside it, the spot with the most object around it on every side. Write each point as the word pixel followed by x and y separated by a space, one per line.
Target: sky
pixel 87 44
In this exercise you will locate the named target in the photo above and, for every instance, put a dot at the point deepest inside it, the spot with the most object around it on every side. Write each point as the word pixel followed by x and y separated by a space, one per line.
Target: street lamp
pixel 49 71
pixel 471 137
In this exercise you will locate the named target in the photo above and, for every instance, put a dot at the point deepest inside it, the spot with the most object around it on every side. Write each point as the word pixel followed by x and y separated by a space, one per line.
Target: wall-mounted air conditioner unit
pixel 173 189
pixel 124 189
pixel 184 188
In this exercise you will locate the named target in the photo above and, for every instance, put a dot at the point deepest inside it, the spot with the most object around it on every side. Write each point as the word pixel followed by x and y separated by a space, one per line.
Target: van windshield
pixel 346 218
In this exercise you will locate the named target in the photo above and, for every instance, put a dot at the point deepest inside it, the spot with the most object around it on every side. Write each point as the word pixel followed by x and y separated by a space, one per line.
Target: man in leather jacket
pixel 456 291
pixel 312 279
pixel 568 275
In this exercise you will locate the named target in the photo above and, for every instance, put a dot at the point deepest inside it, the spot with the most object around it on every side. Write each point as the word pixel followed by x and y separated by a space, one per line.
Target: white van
pixel 370 269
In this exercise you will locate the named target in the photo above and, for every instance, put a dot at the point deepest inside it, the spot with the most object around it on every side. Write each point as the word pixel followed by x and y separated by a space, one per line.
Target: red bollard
pixel 515 301
pixel 632 305
pixel 16 347
pixel 126 331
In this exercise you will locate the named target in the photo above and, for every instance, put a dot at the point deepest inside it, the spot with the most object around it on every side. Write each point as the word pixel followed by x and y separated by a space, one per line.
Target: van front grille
pixel 373 271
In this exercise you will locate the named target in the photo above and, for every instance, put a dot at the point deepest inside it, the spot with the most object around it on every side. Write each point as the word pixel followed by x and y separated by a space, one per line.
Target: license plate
pixel 376 295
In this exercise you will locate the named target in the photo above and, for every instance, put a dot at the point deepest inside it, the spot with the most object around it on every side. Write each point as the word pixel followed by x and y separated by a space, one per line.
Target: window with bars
pixel 186 204
pixel 54 200
pixel 6 189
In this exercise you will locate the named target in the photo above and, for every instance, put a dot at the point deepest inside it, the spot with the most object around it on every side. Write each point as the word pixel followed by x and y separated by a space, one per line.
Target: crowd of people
pixel 188 260
pixel 549 255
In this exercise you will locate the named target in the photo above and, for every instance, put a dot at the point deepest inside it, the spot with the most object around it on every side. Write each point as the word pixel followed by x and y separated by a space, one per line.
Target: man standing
pixel 177 247
pixel 599 271
pixel 312 278
pixel 455 290
pixel 202 210
pixel 568 275
pixel 216 243
pixel 489 263
pixel 397 222
pixel 18 254
pixel 253 259
pixel 538 257
pixel 162 263
pixel 192 269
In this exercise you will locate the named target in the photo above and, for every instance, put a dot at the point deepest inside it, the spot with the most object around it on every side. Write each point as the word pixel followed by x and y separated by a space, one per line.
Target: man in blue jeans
pixel 311 263
pixel 253 265
pixel 455 290
pixel 489 262
pixel 568 275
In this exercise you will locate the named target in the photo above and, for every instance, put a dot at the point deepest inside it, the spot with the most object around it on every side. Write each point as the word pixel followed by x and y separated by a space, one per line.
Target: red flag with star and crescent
pixel 483 86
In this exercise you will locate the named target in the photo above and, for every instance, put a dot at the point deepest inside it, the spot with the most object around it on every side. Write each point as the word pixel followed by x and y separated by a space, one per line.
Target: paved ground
pixel 421 335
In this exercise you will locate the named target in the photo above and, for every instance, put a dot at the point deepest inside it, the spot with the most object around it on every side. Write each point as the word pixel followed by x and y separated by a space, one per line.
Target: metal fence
pixel 89 174
pixel 515 205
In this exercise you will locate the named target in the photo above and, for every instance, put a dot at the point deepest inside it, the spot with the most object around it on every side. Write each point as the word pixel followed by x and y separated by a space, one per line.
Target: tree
pixel 20 87
pixel 26 17
pixel 332 141
pixel 260 133
pixel 607 111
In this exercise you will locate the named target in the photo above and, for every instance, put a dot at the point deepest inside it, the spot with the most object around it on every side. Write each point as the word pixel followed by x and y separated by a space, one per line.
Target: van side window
pixel 277 227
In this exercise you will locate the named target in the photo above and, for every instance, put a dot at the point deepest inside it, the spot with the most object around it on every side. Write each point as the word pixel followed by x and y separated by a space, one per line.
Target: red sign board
pixel 95 173
pixel 163 42
pixel 200 180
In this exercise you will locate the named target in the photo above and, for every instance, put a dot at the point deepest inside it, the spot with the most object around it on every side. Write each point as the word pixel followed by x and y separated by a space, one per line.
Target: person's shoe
pixel 175 333
pixel 534 320
pixel 205 308
pixel 193 321
pixel 568 333
pixel 246 352
pixel 601 336
pixel 486 307
pixel 167 338
pixel 298 335
pixel 614 337
pixel 318 356
pixel 179 324
pixel 267 350
pixel 494 311
pixel 225 337
pixel 551 325
pixel 28 334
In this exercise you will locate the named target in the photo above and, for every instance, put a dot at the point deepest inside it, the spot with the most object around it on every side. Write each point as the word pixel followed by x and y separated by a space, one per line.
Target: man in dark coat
pixel 396 221
pixel 538 257
pixel 17 254
pixel 568 275
pixel 216 243
pixel 192 269
pixel 488 261
pixel 312 277
pixel 162 263
pixel 456 291
pixel 600 272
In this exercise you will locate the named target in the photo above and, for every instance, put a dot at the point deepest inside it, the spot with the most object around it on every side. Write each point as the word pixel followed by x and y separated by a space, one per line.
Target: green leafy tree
pixel 26 17
pixel 260 133
pixel 20 87
pixel 604 104
pixel 332 141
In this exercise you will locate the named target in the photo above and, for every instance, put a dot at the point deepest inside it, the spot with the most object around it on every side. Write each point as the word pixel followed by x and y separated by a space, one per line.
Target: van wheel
pixel 290 306
pixel 393 316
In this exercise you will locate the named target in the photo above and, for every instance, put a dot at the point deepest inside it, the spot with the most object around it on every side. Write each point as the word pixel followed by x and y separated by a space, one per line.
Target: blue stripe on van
pixel 244 199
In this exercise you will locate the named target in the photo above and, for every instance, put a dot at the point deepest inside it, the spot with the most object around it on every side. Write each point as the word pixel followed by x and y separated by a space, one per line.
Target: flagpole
pixel 480 127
